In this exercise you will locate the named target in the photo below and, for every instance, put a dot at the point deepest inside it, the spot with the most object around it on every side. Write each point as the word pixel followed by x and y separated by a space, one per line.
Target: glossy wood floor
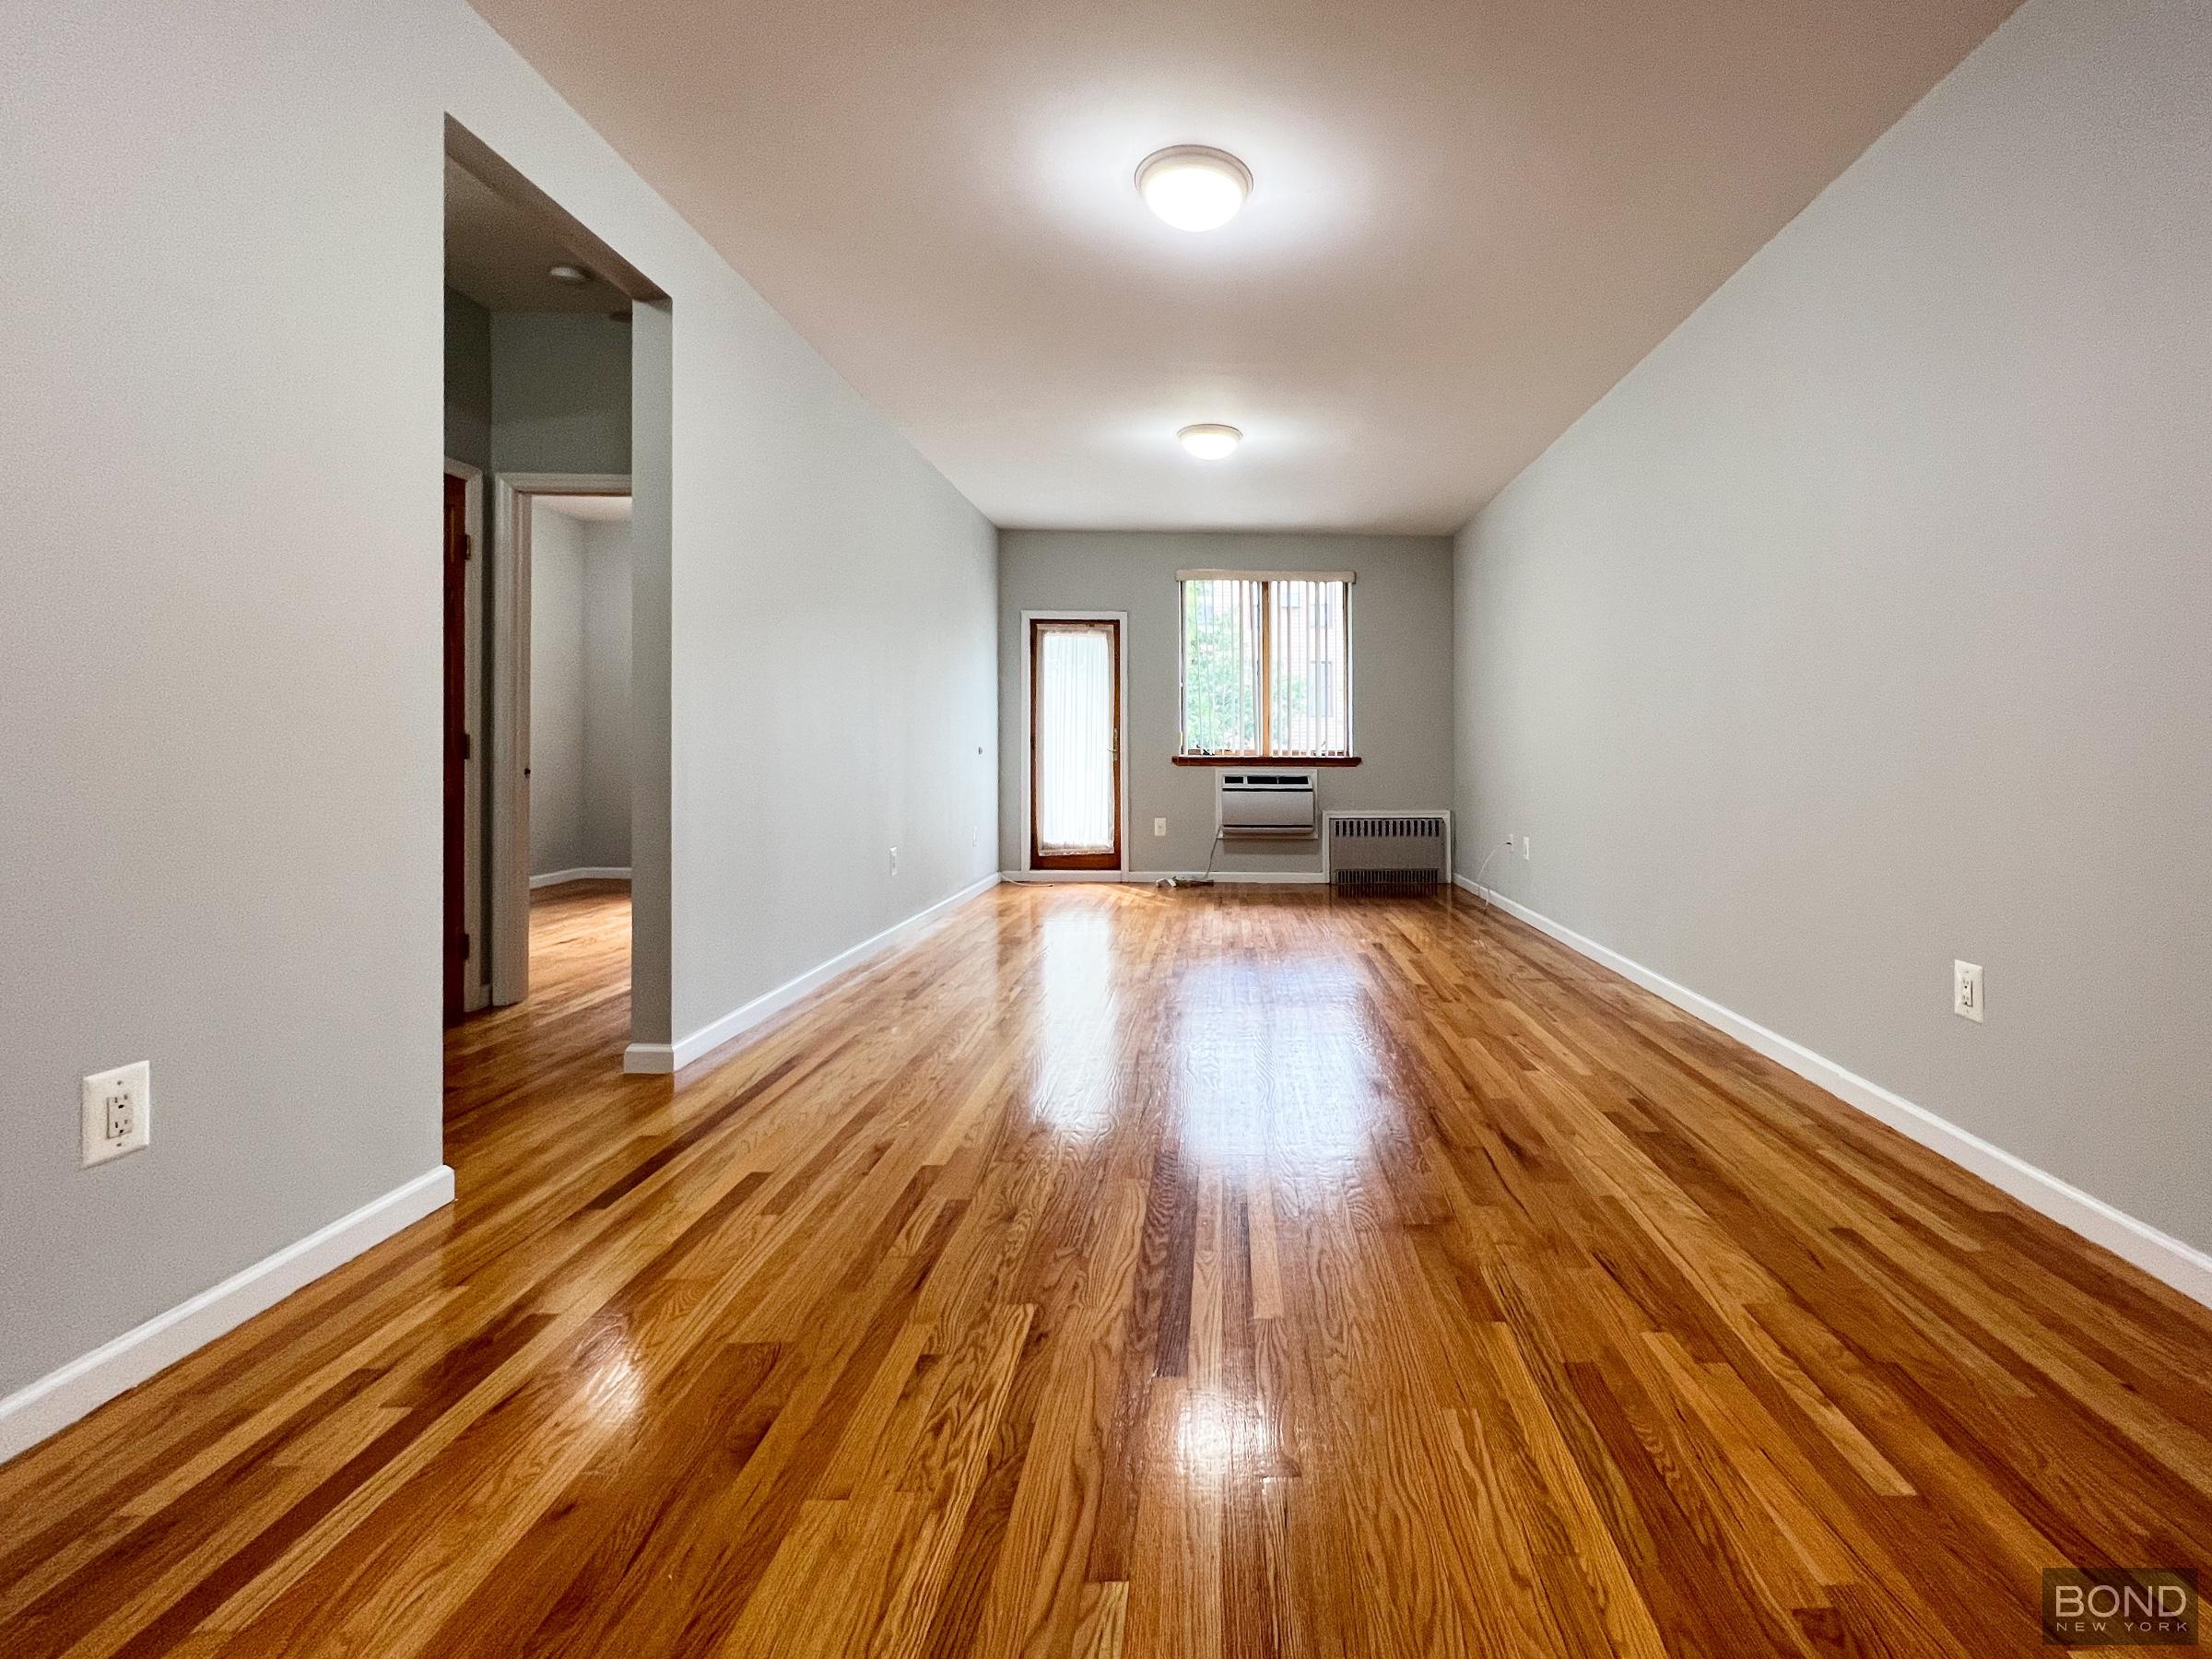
pixel 1126 1272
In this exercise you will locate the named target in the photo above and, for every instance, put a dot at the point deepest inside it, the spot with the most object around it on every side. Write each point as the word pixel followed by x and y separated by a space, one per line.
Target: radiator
pixel 1397 852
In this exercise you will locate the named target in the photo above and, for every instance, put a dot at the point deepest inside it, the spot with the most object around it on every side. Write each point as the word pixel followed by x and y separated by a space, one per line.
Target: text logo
pixel 2120 1606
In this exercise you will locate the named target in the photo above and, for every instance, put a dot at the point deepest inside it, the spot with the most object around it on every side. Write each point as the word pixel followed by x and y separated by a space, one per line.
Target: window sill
pixel 1287 761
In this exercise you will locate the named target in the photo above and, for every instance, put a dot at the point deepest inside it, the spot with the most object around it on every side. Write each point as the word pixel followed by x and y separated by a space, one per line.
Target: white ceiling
pixel 1470 218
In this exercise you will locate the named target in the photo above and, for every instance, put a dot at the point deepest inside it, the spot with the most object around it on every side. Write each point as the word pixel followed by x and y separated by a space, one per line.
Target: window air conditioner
pixel 1270 802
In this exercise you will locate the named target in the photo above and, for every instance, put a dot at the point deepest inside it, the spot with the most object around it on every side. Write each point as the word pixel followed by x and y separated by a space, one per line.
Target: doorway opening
pixel 1075 797
pixel 569 810
pixel 547 550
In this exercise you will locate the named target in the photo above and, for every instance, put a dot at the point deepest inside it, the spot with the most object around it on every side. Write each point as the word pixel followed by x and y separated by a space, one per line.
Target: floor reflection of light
pixel 1077 1039
pixel 616 1387
pixel 1214 1431
pixel 1277 1063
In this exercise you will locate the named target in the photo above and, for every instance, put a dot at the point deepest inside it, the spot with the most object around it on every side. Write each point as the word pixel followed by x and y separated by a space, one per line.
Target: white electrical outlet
pixel 894 861
pixel 1966 990
pixel 118 1112
pixel 1524 847
pixel 1160 826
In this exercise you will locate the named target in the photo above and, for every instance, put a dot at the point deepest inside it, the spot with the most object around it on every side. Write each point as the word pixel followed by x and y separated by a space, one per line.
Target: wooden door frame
pixel 509 921
pixel 1029 753
pixel 476 984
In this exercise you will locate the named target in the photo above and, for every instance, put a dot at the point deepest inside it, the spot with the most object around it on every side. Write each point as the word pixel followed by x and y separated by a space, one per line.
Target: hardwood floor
pixel 1126 1272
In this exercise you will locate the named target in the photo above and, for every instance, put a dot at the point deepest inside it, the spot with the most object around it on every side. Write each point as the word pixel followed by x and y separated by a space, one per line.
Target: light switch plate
pixel 1160 826
pixel 117 1107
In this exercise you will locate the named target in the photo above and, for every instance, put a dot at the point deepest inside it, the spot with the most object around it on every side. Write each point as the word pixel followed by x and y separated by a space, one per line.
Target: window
pixel 1267 663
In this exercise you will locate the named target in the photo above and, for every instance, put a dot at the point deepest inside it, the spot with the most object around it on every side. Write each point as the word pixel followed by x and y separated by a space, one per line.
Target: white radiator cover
pixel 1387 849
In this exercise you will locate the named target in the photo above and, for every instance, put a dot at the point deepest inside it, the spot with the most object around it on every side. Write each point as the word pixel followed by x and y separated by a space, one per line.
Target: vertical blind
pixel 1075 740
pixel 1307 712
pixel 1222 674
pixel 1266 664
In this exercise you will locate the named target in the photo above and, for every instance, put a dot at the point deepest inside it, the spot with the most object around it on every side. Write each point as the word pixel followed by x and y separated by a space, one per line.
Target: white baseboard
pixel 2163 1256
pixel 59 1398
pixel 1240 877
pixel 583 873
pixel 660 1057
pixel 1152 877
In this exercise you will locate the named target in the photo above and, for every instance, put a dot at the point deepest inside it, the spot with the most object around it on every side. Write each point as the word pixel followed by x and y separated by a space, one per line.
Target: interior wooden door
pixel 1074 745
pixel 456 741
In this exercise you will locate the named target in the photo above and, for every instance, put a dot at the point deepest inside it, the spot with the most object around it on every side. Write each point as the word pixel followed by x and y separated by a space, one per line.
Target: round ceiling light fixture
pixel 1209 441
pixel 1193 186
pixel 575 275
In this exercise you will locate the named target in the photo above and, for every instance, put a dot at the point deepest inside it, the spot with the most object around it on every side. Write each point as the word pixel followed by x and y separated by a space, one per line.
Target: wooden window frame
pixel 1185 756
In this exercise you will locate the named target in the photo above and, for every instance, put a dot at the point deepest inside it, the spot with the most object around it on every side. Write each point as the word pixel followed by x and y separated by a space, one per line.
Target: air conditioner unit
pixel 1270 802
pixel 1387 850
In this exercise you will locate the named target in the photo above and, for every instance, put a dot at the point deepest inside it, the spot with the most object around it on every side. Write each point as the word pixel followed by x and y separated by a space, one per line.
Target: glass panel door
pixel 1075 746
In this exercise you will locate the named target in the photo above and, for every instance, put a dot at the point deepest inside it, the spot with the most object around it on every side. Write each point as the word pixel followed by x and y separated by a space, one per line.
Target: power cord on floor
pixel 1199 881
pixel 1484 870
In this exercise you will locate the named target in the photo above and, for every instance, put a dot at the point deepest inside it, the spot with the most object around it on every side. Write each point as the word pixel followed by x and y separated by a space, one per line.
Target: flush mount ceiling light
pixel 574 276
pixel 1210 442
pixel 1194 187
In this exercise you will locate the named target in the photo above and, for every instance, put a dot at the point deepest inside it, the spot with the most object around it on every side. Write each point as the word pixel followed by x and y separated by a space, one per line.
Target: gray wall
pixel 580 709
pixel 560 389
pixel 652 673
pixel 835 687
pixel 603 822
pixel 1865 625
pixel 467 382
pixel 556 694
pixel 1401 674
pixel 222 844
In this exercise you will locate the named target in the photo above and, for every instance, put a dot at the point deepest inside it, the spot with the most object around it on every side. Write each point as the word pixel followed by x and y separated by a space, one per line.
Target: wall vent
pixel 1388 852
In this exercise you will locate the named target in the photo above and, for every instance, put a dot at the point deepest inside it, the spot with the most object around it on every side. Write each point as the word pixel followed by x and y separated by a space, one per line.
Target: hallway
pixel 1129 1272
pixel 568 1032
